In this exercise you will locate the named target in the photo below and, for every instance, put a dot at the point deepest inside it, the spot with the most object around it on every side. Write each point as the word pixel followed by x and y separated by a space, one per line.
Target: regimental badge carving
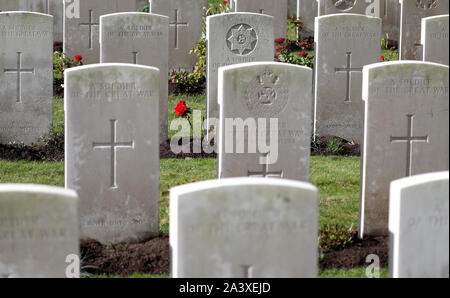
pixel 344 4
pixel 427 4
pixel 267 96
pixel 242 39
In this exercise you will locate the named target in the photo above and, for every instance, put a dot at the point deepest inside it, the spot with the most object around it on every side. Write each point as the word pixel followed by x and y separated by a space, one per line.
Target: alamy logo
pixel 373 270
pixel 72 9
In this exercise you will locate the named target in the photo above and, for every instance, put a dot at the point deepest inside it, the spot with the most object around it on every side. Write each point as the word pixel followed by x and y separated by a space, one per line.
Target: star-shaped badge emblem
pixel 242 39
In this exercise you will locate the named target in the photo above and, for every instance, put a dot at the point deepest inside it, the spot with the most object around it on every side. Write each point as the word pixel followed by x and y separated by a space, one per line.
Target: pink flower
pixel 303 54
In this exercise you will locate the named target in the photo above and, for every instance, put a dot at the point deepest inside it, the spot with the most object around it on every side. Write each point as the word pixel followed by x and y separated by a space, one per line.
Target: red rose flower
pixel 277 55
pixel 382 57
pixel 78 57
pixel 280 49
pixel 180 108
pixel 302 44
pixel 303 54
pixel 225 2
pixel 280 40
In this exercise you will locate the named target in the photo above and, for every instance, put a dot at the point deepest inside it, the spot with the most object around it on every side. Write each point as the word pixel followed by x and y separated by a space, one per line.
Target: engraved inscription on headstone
pixel 405 129
pixel 90 24
pixel 348 70
pixel 344 4
pixel 18 71
pixel 270 103
pixel 234 38
pixel 409 140
pixel 265 172
pixel 244 228
pixel 26 76
pixel 113 145
pixel 242 39
pixel 177 24
pixel 344 44
pixel 112 149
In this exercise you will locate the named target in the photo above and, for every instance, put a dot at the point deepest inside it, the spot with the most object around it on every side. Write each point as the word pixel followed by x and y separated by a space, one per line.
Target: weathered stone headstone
pixel 276 9
pixel 341 6
pixel 52 7
pixel 418 226
pixel 139 38
pixel 307 11
pixel 435 39
pixel 389 12
pixel 26 76
pixel 292 8
pixel 142 3
pixel 38 230
pixel 112 149
pixel 81 34
pixel 265 91
pixel 186 27
pixel 405 132
pixel 244 228
pixel 344 44
pixel 234 38
pixel 412 12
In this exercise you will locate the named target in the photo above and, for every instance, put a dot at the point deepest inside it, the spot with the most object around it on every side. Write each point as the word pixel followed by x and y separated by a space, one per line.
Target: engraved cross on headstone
pixel 113 145
pixel 265 171
pixel 177 24
pixel 409 140
pixel 247 271
pixel 18 72
pixel 348 69
pixel 135 54
pixel 90 25
pixel 47 7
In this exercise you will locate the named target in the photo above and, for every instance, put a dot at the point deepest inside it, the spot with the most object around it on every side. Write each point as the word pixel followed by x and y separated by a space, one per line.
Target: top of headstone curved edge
pixel 109 65
pixel 242 181
pixel 36 188
pixel 263 63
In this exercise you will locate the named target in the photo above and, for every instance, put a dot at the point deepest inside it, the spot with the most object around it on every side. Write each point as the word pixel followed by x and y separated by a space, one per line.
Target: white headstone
pixel 52 7
pixel 139 38
pixel 389 12
pixel 276 9
pixel 234 38
pixel 112 149
pixel 341 6
pixel 26 76
pixel 435 39
pixel 292 8
pixel 307 11
pixel 418 226
pixel 244 228
pixel 405 132
pixel 412 13
pixel 142 3
pixel 38 230
pixel 344 44
pixel 81 32
pixel 186 28
pixel 252 93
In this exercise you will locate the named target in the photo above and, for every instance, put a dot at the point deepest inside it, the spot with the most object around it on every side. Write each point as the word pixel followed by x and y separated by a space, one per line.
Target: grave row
pixel 115 122
pixel 229 228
